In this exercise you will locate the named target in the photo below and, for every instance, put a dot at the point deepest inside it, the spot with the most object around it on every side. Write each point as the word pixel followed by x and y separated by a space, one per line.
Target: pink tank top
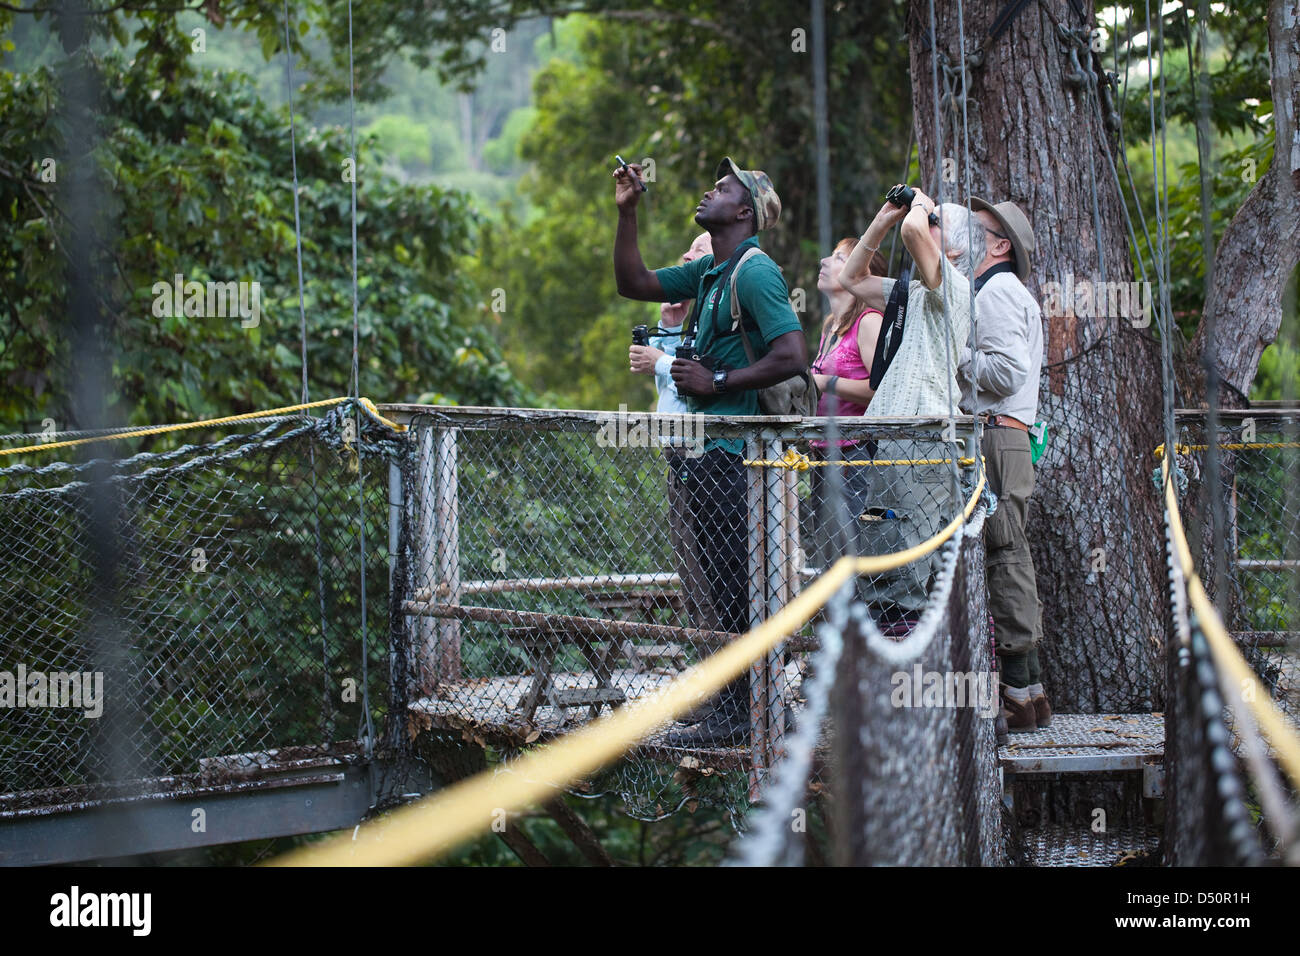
pixel 845 361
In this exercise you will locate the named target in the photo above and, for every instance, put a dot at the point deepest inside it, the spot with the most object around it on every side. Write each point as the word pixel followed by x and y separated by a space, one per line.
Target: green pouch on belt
pixel 1037 441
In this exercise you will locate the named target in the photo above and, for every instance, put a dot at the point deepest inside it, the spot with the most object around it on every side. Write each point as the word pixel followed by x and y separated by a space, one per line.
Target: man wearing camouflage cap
pixel 741 203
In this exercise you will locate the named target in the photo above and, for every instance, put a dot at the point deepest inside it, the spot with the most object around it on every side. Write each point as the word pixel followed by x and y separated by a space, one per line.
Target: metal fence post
pixel 852 774
pixel 436 555
pixel 757 608
pixel 448 550
pixel 399 623
pixel 776 559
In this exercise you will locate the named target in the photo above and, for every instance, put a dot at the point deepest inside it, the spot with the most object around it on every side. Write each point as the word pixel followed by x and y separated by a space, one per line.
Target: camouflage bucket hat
pixel 767 204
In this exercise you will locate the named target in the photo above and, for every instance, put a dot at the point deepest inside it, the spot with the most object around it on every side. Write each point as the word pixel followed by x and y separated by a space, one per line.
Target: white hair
pixel 964 234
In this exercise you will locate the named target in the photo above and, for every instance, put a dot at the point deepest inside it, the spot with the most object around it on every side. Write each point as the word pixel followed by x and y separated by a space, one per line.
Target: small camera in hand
pixel 640 335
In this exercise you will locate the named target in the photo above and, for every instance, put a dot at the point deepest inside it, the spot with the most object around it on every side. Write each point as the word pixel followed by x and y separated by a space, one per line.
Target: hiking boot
pixel 1042 711
pixel 699 712
pixel 727 725
pixel 1021 718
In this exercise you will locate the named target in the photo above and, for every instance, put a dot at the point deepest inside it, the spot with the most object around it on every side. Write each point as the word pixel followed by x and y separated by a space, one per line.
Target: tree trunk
pixel 1036 137
pixel 1261 245
pixel 1253 263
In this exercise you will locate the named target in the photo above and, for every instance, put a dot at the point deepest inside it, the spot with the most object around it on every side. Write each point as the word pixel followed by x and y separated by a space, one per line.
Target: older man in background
pixel 999 380
pixel 657 359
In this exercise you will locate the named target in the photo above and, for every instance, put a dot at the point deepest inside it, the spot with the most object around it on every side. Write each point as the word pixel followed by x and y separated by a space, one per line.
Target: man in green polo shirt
pixel 741 203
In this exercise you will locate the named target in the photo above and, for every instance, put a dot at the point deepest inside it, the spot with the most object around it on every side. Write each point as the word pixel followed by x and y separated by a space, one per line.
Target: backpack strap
pixel 735 302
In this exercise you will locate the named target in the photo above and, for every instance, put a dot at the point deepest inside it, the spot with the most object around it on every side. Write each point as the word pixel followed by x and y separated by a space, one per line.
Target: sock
pixel 1035 671
pixel 1035 690
pixel 1015 669
pixel 1019 694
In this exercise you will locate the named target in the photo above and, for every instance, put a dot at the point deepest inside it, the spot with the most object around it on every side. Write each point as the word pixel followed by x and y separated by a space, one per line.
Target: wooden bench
pixel 625 603
pixel 541 645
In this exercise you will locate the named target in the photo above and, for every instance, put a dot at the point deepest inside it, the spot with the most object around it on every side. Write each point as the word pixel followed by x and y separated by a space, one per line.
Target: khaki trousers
pixel 1013 590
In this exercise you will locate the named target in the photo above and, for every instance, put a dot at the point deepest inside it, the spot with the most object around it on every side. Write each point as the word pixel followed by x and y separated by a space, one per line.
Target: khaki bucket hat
pixel 1015 226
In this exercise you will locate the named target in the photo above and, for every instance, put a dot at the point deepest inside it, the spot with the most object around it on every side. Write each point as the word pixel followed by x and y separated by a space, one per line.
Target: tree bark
pixel 1243 306
pixel 1036 137
pixel 1261 246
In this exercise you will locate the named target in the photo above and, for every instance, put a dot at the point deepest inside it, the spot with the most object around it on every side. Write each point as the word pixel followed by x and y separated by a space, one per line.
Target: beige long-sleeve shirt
pixel 1001 375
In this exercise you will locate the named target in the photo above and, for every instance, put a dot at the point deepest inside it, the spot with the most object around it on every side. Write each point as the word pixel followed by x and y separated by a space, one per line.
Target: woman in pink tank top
pixel 842 371
pixel 848 342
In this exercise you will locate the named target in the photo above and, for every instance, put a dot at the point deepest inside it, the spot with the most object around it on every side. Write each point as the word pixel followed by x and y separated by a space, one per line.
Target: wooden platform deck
pixel 489 711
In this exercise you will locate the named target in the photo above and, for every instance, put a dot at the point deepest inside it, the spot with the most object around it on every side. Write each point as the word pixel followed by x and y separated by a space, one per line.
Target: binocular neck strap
pixel 725 276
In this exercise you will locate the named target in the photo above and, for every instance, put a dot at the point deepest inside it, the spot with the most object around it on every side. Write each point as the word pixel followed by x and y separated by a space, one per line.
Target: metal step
pixel 1087 743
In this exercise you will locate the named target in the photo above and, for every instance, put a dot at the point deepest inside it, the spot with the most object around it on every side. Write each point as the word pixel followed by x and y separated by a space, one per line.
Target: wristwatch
pixel 720 380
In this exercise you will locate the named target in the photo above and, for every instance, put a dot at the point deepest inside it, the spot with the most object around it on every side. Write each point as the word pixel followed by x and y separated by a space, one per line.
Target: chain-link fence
pixel 563 563
pixel 1092 524
pixel 211 629
pixel 524 571
pixel 1230 804
pixel 1257 549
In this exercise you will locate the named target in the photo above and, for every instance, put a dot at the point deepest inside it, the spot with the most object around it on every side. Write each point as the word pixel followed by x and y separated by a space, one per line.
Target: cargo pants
pixel 1009 566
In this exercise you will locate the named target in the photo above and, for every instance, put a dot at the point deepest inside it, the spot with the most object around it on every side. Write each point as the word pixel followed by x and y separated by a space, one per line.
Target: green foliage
pixel 683 94
pixel 696 837
pixel 1239 149
pixel 323 37
pixel 1278 378
pixel 194 181
pixel 501 155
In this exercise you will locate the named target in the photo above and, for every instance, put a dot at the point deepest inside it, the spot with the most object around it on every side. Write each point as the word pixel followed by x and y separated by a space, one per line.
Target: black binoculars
pixel 903 197
pixel 687 350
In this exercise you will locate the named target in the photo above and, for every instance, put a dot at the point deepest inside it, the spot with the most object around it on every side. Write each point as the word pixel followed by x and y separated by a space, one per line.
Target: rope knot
pixel 795 459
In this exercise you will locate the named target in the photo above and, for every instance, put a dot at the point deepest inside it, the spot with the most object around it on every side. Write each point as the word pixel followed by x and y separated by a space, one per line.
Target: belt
pixel 1003 421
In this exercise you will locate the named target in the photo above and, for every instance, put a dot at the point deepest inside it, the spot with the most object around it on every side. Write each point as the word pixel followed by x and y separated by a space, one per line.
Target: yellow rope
pixel 798 461
pixel 366 404
pixel 1231 446
pixel 446 819
pixel 1227 656
pixel 369 408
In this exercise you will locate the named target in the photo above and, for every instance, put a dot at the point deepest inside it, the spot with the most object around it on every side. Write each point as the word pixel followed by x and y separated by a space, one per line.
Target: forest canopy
pixel 485 138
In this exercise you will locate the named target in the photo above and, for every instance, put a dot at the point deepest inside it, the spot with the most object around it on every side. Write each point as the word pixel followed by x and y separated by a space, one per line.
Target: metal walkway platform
pixel 1055 844
pixel 233 799
pixel 1088 743
pixel 1076 747
pixel 490 710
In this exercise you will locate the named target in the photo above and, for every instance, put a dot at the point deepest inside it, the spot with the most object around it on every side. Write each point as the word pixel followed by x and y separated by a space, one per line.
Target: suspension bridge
pixel 409 622
pixel 513 626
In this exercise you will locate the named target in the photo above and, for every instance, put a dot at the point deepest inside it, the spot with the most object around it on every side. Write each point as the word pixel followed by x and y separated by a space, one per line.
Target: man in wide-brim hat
pixel 999 377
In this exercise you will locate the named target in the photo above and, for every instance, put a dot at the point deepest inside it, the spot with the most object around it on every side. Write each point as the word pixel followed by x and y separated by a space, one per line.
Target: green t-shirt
pixel 764 299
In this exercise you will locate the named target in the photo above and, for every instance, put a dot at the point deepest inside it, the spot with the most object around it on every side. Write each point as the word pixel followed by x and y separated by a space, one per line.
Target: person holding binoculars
pixel 653 354
pixel 913 502
pixel 842 371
